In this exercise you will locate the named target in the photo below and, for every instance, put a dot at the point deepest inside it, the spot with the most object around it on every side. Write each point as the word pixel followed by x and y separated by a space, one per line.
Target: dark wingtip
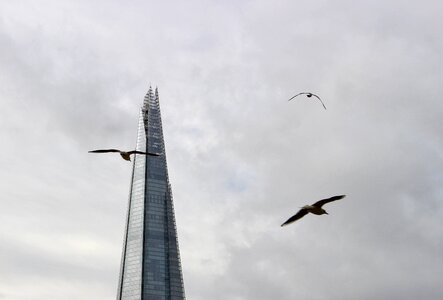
pixel 154 154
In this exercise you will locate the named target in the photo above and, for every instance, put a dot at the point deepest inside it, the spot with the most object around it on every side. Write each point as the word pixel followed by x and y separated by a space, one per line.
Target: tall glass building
pixel 150 266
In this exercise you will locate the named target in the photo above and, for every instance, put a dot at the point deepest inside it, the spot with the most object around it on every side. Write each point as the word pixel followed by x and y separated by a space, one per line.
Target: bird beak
pixel 326 212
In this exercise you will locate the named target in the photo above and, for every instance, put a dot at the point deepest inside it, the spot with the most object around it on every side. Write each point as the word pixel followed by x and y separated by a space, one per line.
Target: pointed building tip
pixel 156 94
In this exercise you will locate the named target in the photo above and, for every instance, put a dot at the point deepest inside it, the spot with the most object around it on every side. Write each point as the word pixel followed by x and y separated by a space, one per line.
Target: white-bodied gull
pixel 315 209
pixel 309 95
pixel 126 155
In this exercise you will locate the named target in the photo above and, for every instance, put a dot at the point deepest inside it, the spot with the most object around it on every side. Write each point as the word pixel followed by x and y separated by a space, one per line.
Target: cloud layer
pixel 241 158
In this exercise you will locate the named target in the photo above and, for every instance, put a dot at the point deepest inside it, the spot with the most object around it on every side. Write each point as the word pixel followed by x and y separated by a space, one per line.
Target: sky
pixel 241 158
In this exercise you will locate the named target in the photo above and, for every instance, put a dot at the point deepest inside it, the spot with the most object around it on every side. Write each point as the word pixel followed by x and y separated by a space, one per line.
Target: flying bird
pixel 315 209
pixel 126 155
pixel 309 95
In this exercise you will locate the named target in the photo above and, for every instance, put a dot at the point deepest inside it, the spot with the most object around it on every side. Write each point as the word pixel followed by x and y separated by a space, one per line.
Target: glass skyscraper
pixel 150 266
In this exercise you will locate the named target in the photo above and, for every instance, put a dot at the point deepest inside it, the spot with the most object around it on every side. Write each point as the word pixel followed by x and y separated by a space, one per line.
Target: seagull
pixel 309 95
pixel 314 208
pixel 126 155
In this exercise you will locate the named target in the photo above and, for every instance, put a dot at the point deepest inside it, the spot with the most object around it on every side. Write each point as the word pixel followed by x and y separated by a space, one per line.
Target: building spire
pixel 148 96
pixel 151 267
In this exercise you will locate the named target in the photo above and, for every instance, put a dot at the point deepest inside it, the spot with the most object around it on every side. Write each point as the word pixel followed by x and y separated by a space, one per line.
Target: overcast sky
pixel 241 158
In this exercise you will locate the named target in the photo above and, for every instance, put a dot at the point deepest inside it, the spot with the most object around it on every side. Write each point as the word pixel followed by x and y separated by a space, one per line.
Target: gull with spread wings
pixel 309 95
pixel 315 209
pixel 126 155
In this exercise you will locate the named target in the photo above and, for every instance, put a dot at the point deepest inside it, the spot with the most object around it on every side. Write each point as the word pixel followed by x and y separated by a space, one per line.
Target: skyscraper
pixel 150 266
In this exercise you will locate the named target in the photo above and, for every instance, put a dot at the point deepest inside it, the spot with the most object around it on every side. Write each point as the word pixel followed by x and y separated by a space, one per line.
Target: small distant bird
pixel 309 95
pixel 126 155
pixel 314 208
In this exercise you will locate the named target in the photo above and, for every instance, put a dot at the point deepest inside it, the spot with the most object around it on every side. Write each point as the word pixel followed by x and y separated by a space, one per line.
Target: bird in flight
pixel 126 155
pixel 315 209
pixel 309 95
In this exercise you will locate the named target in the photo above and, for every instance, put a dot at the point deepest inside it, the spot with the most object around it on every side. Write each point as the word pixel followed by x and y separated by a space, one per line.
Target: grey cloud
pixel 241 158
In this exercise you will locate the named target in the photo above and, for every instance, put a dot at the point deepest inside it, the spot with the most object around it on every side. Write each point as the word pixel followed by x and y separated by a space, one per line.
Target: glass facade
pixel 150 266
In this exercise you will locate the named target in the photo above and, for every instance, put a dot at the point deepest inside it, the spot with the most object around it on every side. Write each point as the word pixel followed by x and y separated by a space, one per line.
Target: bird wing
pixel 297 95
pixel 154 154
pixel 300 214
pixel 141 152
pixel 136 152
pixel 324 201
pixel 104 151
pixel 319 99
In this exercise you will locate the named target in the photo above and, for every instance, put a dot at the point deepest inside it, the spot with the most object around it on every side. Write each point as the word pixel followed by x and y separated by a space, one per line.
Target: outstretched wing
pixel 145 153
pixel 300 214
pixel 154 154
pixel 136 152
pixel 104 151
pixel 324 201
pixel 319 99
pixel 298 95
